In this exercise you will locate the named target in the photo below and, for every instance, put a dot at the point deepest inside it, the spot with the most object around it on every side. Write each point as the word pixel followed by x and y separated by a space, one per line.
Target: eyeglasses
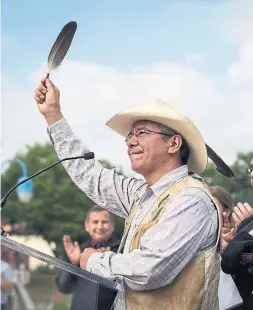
pixel 250 169
pixel 142 132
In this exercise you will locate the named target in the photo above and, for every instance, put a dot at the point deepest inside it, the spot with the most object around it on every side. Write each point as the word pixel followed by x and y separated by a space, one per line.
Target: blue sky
pixel 121 34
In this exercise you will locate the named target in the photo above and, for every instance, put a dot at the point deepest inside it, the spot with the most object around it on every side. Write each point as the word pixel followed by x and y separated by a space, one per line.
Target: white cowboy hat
pixel 163 113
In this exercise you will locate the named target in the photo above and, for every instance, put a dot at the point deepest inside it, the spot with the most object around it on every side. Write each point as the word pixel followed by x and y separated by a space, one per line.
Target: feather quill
pixel 221 166
pixel 61 46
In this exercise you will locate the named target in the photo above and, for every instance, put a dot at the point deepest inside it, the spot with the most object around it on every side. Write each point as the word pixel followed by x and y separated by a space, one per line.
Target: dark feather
pixel 61 46
pixel 221 166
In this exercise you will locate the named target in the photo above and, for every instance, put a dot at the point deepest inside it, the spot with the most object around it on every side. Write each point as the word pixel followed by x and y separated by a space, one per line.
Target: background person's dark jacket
pixel 68 283
pixel 235 263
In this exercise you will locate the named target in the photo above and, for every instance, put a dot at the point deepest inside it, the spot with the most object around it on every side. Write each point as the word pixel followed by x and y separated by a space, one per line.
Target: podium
pixel 94 281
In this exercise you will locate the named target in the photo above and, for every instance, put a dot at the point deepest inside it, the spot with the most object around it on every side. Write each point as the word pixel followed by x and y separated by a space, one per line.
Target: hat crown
pixel 159 103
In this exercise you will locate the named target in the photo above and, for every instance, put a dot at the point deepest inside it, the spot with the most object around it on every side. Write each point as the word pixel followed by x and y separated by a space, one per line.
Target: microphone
pixel 86 156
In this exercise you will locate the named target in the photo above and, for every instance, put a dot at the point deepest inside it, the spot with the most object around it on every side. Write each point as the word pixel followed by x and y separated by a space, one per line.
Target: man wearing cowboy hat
pixel 169 256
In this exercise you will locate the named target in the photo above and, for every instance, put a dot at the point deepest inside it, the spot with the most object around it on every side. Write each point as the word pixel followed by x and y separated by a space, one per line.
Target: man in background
pixel 100 226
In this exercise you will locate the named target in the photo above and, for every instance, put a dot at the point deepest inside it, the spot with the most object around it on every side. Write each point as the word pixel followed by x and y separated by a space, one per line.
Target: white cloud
pixel 235 19
pixel 91 94
pixel 20 124
pixel 240 73
pixel 194 61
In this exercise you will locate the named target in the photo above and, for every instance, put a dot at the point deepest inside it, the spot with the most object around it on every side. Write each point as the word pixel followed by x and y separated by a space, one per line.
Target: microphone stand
pixel 86 156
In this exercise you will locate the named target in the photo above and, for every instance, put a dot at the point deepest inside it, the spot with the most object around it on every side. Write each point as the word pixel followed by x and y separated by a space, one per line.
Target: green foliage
pixel 58 207
pixel 61 306
pixel 44 269
pixel 240 186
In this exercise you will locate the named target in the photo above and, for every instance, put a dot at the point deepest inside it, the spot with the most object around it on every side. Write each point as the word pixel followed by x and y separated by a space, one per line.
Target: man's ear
pixel 86 225
pixel 174 144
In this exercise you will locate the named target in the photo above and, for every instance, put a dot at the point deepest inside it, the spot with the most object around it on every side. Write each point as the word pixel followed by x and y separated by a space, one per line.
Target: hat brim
pixel 164 114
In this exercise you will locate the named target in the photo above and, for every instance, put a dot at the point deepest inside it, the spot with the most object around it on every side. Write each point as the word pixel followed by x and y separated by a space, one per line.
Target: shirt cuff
pixel 93 262
pixel 59 131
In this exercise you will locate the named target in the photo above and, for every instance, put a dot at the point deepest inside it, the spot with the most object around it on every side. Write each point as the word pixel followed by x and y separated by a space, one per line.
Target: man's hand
pixel 85 256
pixel 87 253
pixel 72 250
pixel 227 238
pixel 228 233
pixel 241 212
pixel 47 97
pixel 226 226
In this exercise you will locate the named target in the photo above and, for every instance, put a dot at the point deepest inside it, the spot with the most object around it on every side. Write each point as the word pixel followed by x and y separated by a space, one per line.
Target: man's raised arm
pixel 104 186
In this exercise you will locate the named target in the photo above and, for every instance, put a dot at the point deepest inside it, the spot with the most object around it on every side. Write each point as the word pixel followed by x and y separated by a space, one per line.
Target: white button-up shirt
pixel 187 227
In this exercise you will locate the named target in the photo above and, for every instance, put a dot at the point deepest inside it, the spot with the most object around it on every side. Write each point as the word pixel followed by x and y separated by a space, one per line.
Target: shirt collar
pixel 95 243
pixel 169 179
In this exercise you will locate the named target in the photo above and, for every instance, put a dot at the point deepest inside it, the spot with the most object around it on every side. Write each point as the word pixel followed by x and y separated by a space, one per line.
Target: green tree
pixel 239 186
pixel 58 207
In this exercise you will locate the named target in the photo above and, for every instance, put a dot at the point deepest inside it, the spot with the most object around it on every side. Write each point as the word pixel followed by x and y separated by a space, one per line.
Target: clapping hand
pixel 72 250
pixel 228 233
pixel 241 212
